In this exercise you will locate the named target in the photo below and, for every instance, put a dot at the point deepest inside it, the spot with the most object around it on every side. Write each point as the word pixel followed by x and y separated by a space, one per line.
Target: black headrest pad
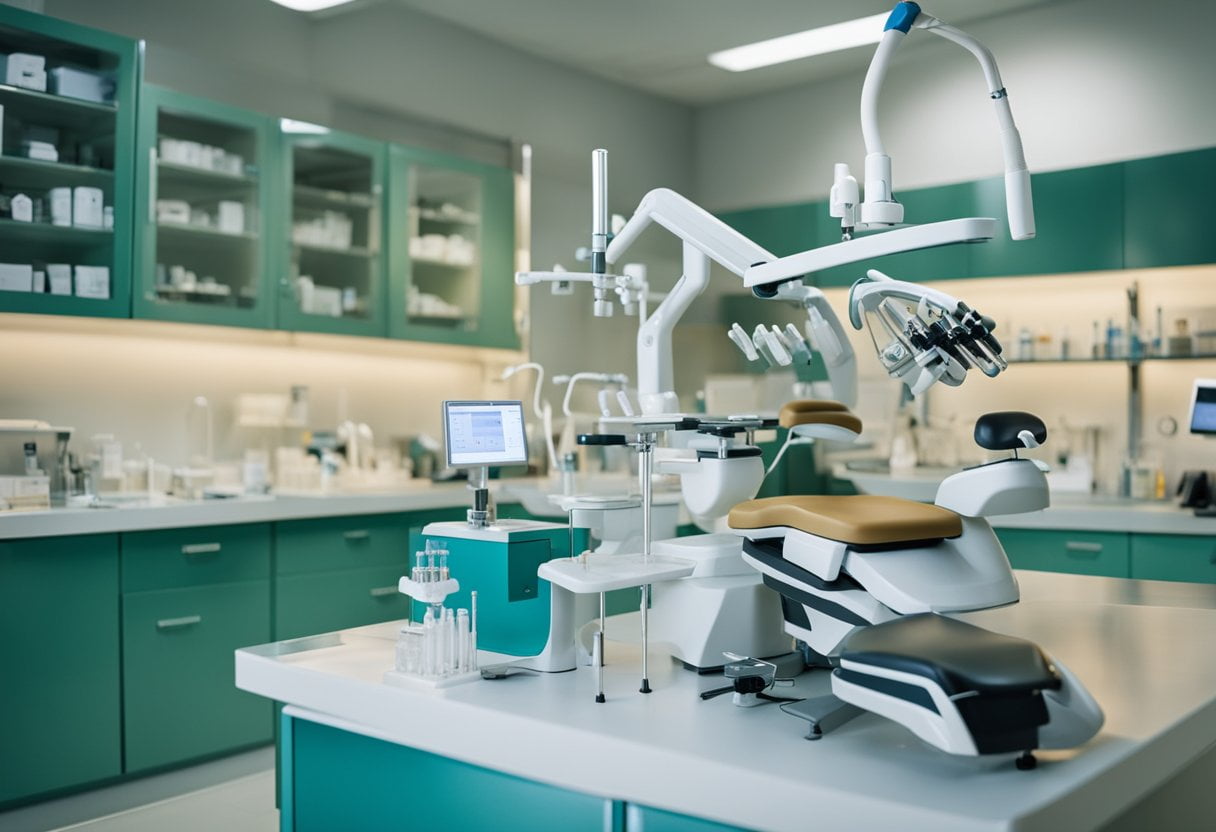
pixel 999 431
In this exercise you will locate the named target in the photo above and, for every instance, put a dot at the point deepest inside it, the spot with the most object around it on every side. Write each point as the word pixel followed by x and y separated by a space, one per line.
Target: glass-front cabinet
pixel 67 128
pixel 331 277
pixel 451 231
pixel 202 198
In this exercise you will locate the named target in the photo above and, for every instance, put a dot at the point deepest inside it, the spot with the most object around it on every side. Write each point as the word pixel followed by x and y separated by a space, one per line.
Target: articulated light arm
pixel 879 206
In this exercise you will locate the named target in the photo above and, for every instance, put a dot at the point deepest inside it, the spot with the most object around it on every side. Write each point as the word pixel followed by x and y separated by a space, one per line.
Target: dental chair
pixel 866 583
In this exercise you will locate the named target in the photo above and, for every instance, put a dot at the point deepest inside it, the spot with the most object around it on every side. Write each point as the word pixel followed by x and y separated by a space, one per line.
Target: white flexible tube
pixel 870 89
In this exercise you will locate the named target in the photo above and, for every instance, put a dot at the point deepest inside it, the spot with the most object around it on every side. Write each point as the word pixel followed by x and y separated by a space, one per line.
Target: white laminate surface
pixel 1152 668
pixel 1110 514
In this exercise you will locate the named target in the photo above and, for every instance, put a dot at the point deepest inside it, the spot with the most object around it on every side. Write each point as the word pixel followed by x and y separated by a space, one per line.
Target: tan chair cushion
pixel 863 519
pixel 817 412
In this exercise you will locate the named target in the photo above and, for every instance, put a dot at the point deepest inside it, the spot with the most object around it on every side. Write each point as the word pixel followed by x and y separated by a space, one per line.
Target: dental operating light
pixel 819 41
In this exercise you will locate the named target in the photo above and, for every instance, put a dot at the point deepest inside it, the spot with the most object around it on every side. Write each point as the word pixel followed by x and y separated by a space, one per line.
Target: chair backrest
pixel 821 419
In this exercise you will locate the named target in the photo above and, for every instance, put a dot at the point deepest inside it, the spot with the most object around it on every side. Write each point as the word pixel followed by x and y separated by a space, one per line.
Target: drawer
pixel 1174 557
pixel 194 557
pixel 179 692
pixel 1081 553
pixel 334 543
pixel 321 603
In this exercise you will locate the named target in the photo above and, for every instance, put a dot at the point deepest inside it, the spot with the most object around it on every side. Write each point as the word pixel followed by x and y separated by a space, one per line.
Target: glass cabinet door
pixel 451 233
pixel 201 201
pixel 67 122
pixel 332 278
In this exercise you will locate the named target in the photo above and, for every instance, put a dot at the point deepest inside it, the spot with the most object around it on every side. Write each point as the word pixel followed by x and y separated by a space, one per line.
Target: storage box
pixel 16 277
pixel 42 151
pixel 25 493
pixel 173 211
pixel 76 83
pixel 231 218
pixel 88 207
pixel 24 70
pixel 93 282
pixel 60 200
pixel 22 208
pixel 39 281
pixel 59 277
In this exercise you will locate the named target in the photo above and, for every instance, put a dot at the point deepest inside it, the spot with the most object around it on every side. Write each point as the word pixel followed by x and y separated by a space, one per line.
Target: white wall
pixel 1090 81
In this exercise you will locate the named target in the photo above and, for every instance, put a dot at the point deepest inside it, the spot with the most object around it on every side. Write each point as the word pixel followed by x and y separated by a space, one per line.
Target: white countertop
pixel 1155 679
pixel 1110 514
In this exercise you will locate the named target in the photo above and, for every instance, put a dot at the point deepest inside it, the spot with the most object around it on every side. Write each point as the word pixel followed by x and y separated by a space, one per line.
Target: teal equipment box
pixel 500 563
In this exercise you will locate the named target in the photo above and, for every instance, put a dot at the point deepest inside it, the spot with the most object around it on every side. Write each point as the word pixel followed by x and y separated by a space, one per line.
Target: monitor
pixel 1203 407
pixel 484 433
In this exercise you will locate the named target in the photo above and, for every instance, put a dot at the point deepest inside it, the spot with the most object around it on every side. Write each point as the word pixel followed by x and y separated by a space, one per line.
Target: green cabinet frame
pixel 60 694
pixel 1168 210
pixel 372 257
pixel 145 303
pixel 494 324
pixel 75 246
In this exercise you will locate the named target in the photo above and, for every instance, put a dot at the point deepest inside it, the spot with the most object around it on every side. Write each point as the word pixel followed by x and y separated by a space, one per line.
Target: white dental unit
pixel 947 677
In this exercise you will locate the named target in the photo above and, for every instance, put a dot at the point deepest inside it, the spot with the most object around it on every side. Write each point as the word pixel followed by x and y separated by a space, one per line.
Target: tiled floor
pixel 235 794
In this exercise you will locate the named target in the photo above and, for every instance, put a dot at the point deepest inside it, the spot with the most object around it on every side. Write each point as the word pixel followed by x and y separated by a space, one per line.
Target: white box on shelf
pixel 16 277
pixel 76 83
pixel 327 300
pixel 61 205
pixel 22 208
pixel 42 151
pixel 39 281
pixel 173 211
pixel 88 206
pixel 231 219
pixel 22 69
pixel 93 282
pixel 59 276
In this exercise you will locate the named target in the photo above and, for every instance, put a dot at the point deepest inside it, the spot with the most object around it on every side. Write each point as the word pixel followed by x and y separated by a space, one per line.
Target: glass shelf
pixel 173 170
pixel 56 233
pixel 205 231
pixel 60 110
pixel 20 171
pixel 428 261
pixel 353 251
pixel 305 194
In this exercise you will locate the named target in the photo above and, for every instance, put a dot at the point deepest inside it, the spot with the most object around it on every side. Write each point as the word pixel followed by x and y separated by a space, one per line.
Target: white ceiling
pixel 660 46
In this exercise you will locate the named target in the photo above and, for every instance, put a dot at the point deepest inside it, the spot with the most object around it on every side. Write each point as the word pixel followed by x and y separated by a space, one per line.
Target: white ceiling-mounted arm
pixel 879 206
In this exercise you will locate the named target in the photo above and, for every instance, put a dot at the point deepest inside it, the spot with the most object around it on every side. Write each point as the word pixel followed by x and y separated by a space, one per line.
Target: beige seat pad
pixel 863 519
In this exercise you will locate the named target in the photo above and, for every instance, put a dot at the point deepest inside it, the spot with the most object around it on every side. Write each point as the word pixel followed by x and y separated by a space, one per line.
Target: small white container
pixel 25 70
pixel 87 86
pixel 88 206
pixel 16 277
pixel 22 208
pixel 60 200
pixel 93 282
pixel 59 276
pixel 231 219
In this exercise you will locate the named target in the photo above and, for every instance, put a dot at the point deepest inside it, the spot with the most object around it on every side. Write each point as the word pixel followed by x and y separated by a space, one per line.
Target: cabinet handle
pixel 174 623
pixel 1083 547
pixel 381 591
pixel 201 548
pixel 357 534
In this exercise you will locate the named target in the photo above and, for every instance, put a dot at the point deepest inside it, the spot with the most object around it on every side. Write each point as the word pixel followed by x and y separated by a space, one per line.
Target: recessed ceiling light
pixel 311 5
pixel 290 125
pixel 832 38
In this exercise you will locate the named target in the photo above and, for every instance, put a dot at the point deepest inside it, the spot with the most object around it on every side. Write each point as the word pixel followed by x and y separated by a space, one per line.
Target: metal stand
pixel 824 713
pixel 598 651
pixel 481 515
pixel 645 446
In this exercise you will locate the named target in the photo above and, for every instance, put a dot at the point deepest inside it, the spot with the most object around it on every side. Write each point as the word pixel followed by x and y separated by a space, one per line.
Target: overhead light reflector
pixel 825 39
pixel 311 5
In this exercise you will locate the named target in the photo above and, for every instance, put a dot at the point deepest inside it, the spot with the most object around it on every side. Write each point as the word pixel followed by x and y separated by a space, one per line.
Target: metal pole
pixel 598 658
pixel 646 451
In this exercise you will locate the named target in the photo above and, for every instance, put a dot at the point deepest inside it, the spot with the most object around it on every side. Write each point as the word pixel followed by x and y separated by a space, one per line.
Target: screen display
pixel 1203 407
pixel 484 433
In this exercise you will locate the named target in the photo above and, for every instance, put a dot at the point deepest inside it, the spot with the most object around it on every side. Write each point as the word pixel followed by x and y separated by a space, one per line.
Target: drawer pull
pixel 200 548
pixel 1084 547
pixel 381 591
pixel 356 534
pixel 175 623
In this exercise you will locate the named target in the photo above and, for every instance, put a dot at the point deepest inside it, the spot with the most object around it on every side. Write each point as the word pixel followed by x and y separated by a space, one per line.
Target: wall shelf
pixel 205 231
pixel 172 170
pixel 55 233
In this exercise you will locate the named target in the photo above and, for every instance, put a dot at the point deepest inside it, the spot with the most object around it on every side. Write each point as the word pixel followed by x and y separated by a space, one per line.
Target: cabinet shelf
pixel 173 170
pixel 354 251
pixel 200 231
pixel 43 231
pixel 429 261
pixel 49 174
pixel 59 110
pixel 308 195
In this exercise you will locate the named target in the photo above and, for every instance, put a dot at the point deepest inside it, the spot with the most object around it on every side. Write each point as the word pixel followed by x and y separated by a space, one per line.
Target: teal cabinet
pixel 338 543
pixel 640 818
pixel 329 233
pixel 326 601
pixel 924 205
pixel 1078 223
pixel 203 196
pixel 451 246
pixel 60 651
pixel 1174 557
pixel 172 558
pixel 334 779
pixel 179 690
pixel 1168 210
pixel 93 144
pixel 781 229
pixel 1078 552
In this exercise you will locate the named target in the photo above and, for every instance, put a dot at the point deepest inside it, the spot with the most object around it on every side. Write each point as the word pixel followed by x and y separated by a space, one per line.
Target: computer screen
pixel 1203 406
pixel 484 433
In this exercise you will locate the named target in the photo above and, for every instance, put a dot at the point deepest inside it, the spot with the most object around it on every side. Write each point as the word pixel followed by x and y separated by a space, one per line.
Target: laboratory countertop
pixel 1110 514
pixel 1133 643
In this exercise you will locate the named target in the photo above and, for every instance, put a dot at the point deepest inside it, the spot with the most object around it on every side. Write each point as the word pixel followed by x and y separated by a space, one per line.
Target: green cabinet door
pixel 322 602
pixel 329 218
pixel 60 654
pixel 1167 210
pixel 179 693
pixel 205 181
pixel 169 558
pixel 451 233
pixel 782 229
pixel 341 543
pixel 1174 557
pixel 1081 553
pixel 334 779
pixel 94 143
pixel 1078 223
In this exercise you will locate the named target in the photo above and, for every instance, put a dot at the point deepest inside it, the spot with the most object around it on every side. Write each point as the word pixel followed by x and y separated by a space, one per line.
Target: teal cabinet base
pixel 1174 557
pixel 1077 552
